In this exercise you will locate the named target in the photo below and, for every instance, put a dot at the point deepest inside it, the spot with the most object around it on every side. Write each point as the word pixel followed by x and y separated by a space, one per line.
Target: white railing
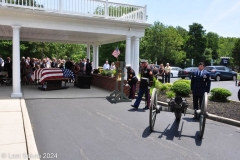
pixel 94 8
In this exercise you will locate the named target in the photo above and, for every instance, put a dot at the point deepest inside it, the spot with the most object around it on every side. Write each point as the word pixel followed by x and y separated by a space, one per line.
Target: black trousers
pixel 167 78
pixel 197 102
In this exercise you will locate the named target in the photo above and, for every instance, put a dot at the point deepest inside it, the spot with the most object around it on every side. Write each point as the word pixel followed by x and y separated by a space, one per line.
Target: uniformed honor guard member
pixel 145 84
pixel 132 80
pixel 200 83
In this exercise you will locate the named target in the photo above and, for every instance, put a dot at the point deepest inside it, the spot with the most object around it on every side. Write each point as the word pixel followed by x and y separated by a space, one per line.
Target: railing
pixel 93 8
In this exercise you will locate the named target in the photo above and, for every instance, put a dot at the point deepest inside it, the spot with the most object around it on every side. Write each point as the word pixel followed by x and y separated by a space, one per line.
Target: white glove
pixel 149 87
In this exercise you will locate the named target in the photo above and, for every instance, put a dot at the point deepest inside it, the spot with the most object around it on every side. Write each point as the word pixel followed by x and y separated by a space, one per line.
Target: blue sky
pixel 219 16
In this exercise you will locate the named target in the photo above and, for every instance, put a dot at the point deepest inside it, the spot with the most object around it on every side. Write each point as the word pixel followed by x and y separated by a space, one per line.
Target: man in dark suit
pixel 200 83
pixel 88 68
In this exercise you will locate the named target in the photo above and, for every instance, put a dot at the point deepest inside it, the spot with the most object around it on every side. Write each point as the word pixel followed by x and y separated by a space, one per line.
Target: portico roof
pixel 55 26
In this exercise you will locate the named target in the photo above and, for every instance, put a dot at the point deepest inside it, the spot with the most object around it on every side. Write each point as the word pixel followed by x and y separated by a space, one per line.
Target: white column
pixel 88 52
pixel 132 51
pixel 94 56
pixel 128 51
pixel 127 54
pixel 97 55
pixel 136 56
pixel 16 62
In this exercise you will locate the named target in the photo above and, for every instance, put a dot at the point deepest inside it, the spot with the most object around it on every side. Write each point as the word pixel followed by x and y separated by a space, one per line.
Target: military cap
pixel 128 66
pixel 144 61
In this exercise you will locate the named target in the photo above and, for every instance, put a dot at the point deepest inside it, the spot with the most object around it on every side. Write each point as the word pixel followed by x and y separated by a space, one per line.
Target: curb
pixel 213 117
pixel 30 140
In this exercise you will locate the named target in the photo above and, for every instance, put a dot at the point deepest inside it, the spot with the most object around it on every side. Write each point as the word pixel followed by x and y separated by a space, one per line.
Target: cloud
pixel 211 7
pixel 235 7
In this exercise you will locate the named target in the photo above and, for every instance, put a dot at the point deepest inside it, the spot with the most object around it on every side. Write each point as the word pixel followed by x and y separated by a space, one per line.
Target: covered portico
pixel 60 21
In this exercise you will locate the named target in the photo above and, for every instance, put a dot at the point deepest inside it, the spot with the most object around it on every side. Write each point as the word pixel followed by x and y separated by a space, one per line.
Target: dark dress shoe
pixel 145 108
pixel 134 106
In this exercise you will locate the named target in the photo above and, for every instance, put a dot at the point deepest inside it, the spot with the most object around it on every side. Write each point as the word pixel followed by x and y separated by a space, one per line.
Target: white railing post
pixel 60 5
pixel 106 9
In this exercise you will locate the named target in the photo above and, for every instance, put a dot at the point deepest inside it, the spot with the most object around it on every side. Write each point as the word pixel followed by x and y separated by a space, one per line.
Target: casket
pixel 52 78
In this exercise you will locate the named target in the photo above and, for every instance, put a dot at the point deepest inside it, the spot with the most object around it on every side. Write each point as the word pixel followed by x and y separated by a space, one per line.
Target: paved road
pixel 230 85
pixel 92 128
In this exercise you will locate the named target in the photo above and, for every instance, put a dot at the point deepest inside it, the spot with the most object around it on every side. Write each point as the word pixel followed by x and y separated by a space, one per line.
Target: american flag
pixel 41 75
pixel 68 73
pixel 116 53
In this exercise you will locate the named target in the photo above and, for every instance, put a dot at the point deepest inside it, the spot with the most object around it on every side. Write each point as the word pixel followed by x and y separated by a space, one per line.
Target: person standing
pixel 200 83
pixel 112 67
pixel 167 73
pixel 106 66
pixel 132 81
pixel 145 84
pixel 81 65
pixel 1 63
pixel 155 71
pixel 54 63
pixel 161 73
pixel 88 68
pixel 44 64
pixel 69 64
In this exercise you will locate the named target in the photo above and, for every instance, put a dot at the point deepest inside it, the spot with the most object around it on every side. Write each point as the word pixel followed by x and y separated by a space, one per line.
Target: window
pixel 220 68
pixel 209 68
pixel 226 69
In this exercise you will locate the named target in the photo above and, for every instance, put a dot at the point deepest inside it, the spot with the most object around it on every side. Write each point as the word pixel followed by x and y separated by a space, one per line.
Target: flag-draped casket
pixel 44 74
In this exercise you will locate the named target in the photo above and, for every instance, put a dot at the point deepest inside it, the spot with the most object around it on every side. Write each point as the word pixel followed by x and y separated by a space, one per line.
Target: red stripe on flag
pixel 116 53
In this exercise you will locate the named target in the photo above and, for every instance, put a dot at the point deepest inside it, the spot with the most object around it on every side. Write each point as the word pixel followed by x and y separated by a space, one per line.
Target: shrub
pixel 104 72
pixel 170 94
pixel 181 89
pixel 158 85
pixel 220 94
pixel 183 80
pixel 109 73
pixel 164 87
pixel 169 85
pixel 114 72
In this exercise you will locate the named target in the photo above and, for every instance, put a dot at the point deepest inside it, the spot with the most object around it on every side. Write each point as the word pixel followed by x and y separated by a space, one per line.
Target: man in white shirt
pixel 106 66
pixel 1 63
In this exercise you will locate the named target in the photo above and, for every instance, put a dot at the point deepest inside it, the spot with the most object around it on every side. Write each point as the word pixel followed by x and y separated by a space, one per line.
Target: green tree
pixel 212 43
pixel 236 54
pixel 196 43
pixel 162 44
pixel 106 50
pixel 207 56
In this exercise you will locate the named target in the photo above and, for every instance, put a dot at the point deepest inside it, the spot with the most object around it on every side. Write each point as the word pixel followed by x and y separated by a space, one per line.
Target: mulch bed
pixel 229 109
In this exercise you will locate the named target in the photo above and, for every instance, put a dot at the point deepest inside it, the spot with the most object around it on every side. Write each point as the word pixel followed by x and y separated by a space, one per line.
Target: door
pixel 228 73
pixel 222 72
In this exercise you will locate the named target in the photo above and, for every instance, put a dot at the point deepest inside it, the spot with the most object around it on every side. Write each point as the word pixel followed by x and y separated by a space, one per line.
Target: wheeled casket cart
pixel 179 106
